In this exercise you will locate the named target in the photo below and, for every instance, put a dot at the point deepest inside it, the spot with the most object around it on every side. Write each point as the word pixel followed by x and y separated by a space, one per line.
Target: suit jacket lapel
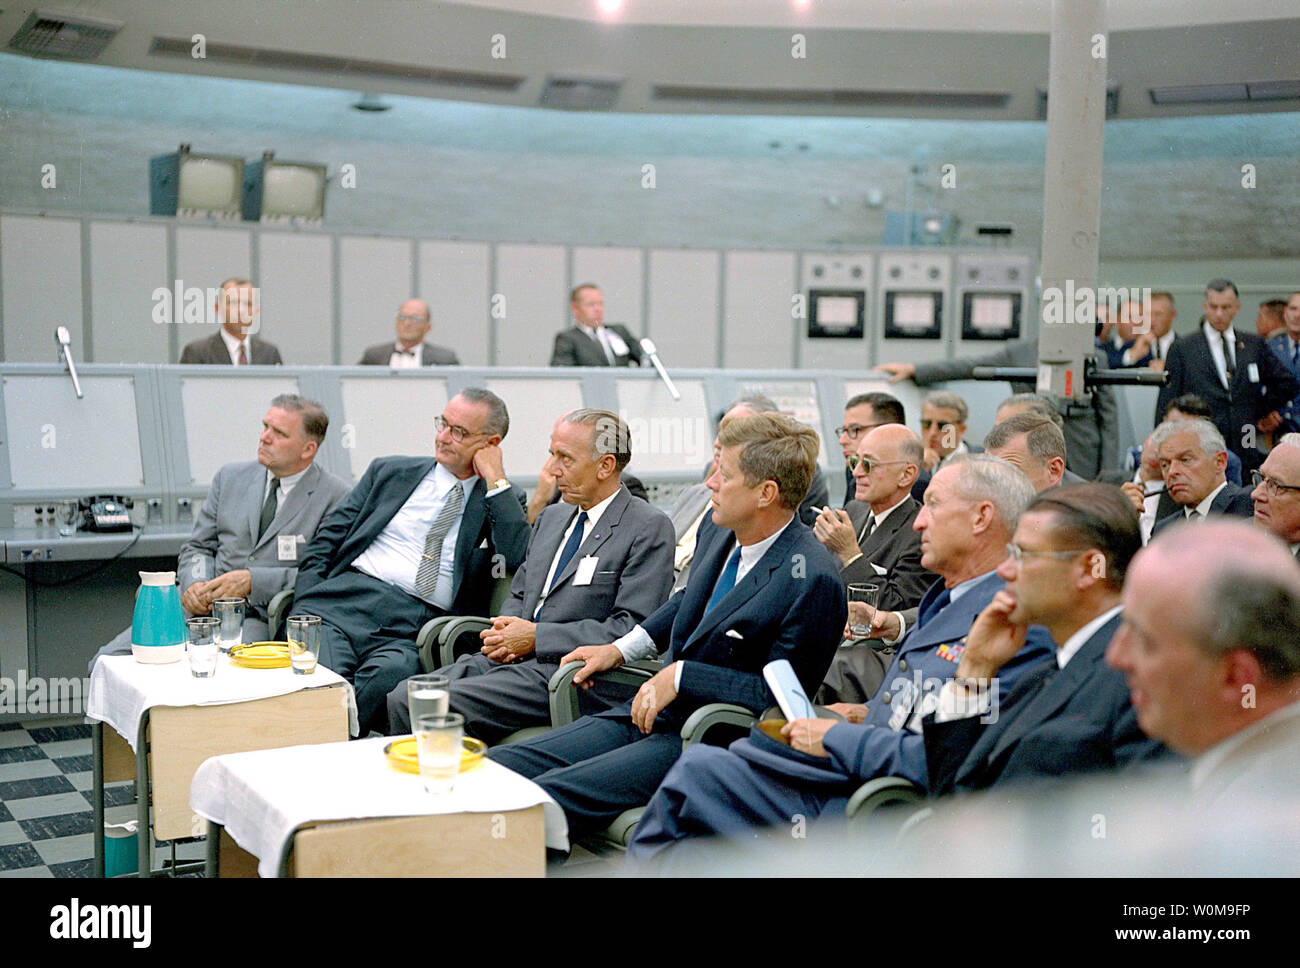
pixel 289 508
pixel 884 533
pixel 599 535
pixel 1059 690
pixel 746 588
pixel 471 522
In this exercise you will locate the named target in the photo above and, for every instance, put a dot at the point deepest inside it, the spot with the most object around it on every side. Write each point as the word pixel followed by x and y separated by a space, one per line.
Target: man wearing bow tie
pixel 409 350
pixel 590 342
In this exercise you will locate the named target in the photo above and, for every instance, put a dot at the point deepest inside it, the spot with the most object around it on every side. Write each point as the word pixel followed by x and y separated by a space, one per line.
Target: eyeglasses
pixel 412 317
pixel 854 431
pixel 1274 487
pixel 458 434
pixel 1019 554
pixel 941 424
pixel 867 463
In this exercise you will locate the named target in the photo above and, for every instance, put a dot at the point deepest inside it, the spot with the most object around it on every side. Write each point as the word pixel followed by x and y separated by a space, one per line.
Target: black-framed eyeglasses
pixel 867 463
pixel 854 431
pixel 458 434
pixel 1274 487
pixel 1019 554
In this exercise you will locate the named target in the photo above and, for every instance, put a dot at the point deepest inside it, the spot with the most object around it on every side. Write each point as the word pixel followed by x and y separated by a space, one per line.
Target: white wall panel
pixel 533 281
pixel 454 281
pixel 374 279
pixel 684 306
pixel 40 268
pixel 758 328
pixel 297 286
pixel 127 263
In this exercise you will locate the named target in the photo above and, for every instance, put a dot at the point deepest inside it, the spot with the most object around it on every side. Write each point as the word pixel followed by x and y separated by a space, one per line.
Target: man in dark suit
pixel 971 512
pixel 1065 573
pixel 416 538
pixel 762 588
pixel 410 351
pixel 1091 429
pixel 237 309
pixel 1286 344
pixel 591 342
pixel 943 434
pixel 591 574
pixel 875 542
pixel 863 414
pixel 1193 460
pixel 1236 373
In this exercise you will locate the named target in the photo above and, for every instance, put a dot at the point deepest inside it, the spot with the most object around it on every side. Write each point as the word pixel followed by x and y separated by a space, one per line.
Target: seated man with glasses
pixel 943 431
pixel 410 351
pixel 1277 492
pixel 875 542
pixel 862 414
pixel 417 538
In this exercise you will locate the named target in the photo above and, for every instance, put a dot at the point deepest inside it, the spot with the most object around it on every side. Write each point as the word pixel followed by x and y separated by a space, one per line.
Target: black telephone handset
pixel 106 512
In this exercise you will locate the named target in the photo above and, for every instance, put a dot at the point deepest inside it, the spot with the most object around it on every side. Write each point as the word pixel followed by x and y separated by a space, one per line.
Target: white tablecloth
pixel 262 797
pixel 121 689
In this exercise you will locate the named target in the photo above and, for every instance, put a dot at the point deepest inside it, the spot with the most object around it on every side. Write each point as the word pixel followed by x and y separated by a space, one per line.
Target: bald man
pixel 409 350
pixel 1213 659
pixel 1277 492
pixel 875 542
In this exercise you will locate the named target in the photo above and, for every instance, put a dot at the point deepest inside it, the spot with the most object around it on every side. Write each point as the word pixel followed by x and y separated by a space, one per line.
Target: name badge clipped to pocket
pixel 586 569
pixel 1252 372
pixel 287 547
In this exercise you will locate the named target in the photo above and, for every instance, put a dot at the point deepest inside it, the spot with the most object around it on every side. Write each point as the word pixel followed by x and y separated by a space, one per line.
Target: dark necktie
pixel 867 529
pixel 1228 365
pixel 1295 354
pixel 934 608
pixel 426 576
pixel 726 581
pixel 1155 350
pixel 243 353
pixel 570 547
pixel 268 507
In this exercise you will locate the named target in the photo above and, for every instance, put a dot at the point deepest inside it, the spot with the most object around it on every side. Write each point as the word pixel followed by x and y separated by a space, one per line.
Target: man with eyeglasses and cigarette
pixel 417 538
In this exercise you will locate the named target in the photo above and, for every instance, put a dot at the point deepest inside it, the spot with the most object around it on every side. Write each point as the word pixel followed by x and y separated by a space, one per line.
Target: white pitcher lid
pixel 158 578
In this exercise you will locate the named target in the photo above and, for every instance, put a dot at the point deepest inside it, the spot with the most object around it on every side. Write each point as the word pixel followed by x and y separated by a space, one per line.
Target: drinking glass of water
pixel 202 648
pixel 864 595
pixel 438 744
pixel 230 613
pixel 427 695
pixel 304 643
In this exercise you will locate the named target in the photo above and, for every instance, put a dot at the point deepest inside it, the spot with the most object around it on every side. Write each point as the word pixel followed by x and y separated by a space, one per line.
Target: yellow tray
pixel 402 754
pixel 261 655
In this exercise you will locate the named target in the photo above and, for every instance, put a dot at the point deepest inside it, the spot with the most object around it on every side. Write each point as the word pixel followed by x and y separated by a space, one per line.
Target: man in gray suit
pixel 1091 430
pixel 257 519
pixel 410 351
pixel 590 575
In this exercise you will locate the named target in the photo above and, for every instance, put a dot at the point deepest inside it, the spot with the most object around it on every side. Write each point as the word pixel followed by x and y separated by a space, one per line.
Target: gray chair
pixel 437 639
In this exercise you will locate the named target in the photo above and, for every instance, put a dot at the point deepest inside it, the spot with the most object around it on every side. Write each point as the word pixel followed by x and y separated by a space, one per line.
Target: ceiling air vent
pixel 757 96
pixel 581 93
pixel 67 36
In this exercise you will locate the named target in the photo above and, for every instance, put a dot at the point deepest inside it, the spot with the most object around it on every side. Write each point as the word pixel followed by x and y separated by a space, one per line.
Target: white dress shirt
pixel 232 346
pixel 1204 506
pixel 407 361
pixel 394 556
pixel 286 485
pixel 1216 349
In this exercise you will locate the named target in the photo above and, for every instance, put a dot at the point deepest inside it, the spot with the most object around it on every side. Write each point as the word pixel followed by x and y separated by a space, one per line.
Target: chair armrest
pixel 426 643
pixel 277 609
pixel 453 630
pixel 881 791
pixel 563 694
pixel 714 714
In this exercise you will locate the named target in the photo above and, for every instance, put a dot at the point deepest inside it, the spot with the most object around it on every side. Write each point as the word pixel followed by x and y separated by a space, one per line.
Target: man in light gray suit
pixel 257 519
pixel 591 574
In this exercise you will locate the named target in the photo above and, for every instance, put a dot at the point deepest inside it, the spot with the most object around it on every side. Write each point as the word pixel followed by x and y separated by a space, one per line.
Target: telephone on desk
pixel 106 512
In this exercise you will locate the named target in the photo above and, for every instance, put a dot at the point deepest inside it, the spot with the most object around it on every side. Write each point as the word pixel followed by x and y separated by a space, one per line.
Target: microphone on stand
pixel 648 348
pixel 64 340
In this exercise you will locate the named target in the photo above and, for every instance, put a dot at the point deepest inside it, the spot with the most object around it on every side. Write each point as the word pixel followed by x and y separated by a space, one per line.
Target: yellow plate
pixel 261 655
pixel 402 754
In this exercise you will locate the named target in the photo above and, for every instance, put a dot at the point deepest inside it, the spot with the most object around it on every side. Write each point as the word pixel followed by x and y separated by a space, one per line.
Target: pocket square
pixel 483 546
pixel 733 634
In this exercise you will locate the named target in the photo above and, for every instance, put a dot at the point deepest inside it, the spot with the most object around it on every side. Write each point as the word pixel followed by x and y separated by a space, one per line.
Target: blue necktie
pixel 934 608
pixel 570 547
pixel 726 581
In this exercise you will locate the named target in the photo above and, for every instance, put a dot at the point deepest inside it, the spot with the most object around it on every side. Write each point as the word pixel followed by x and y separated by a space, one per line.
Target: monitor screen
pixel 991 315
pixel 290 191
pixel 913 315
pixel 210 184
pixel 839 313
pixel 837 310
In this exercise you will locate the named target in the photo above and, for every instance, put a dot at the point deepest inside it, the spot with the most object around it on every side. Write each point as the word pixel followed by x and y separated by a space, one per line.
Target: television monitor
pixel 276 191
pixel 991 315
pixel 839 313
pixel 196 185
pixel 913 315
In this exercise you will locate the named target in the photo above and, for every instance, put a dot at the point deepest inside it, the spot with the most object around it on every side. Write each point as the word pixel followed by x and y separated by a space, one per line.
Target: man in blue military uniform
pixel 971 509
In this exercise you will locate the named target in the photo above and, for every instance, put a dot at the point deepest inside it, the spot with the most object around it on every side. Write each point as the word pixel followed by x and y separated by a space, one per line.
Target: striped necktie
pixel 426 576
